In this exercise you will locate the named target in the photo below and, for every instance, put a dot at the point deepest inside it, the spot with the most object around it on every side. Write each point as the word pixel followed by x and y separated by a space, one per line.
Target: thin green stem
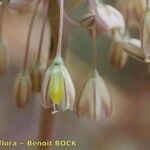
pixel 29 36
pixel 46 6
pixel 59 46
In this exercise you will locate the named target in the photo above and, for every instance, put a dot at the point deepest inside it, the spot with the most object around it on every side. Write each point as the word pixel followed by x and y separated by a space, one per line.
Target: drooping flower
pixel 22 89
pixel 107 17
pixel 95 101
pixel 57 87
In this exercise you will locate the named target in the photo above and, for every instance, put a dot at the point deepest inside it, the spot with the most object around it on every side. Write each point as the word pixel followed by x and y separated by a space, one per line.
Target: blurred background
pixel 129 126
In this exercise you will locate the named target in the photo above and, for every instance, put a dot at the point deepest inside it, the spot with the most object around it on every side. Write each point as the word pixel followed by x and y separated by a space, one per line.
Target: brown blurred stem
pixel 29 36
pixel 46 6
pixel 94 47
pixel 1 18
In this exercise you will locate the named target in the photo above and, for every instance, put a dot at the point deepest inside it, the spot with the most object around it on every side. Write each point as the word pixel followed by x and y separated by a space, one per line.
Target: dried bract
pixel 22 89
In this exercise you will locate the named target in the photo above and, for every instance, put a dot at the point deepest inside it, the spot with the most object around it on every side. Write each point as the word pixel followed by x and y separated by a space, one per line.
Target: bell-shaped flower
pixel 107 17
pixel 22 89
pixel 57 87
pixel 145 37
pixel 95 101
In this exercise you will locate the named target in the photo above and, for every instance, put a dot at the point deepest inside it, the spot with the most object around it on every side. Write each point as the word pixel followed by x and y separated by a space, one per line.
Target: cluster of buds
pixel 54 81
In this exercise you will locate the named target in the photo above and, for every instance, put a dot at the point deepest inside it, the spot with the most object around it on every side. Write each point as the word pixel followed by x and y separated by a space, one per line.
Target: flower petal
pixel 46 102
pixel 70 90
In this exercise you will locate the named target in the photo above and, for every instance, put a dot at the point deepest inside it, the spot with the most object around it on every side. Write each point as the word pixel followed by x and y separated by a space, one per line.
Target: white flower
pixel 95 101
pixel 57 87
pixel 107 17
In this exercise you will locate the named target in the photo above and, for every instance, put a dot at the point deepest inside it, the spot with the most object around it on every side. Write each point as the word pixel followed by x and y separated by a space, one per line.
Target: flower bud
pixel 3 57
pixel 145 37
pixel 22 89
pixel 37 72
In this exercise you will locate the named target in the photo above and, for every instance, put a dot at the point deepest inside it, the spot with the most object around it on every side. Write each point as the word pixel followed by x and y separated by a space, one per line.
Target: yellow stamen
pixel 56 87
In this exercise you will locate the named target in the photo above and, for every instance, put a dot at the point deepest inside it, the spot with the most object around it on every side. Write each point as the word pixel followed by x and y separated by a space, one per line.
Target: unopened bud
pixel 37 73
pixel 22 89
